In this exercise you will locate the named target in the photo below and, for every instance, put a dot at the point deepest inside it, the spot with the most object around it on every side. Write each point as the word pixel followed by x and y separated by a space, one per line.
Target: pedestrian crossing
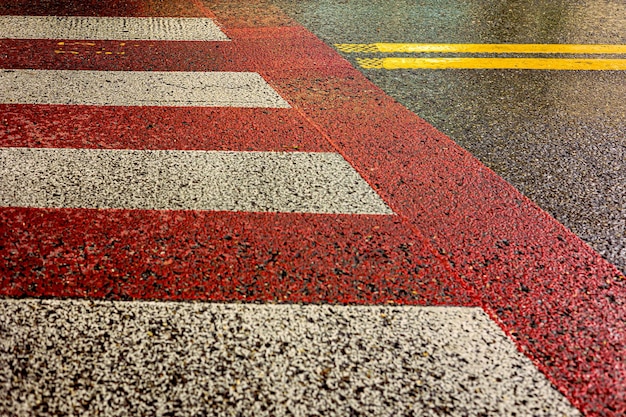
pixel 142 179
pixel 221 225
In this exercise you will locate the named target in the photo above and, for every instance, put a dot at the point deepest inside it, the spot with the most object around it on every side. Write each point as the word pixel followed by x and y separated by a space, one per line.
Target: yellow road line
pixel 495 63
pixel 482 48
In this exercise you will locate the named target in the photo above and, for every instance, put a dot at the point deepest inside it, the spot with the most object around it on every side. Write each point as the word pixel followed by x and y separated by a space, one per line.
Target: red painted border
pixel 558 299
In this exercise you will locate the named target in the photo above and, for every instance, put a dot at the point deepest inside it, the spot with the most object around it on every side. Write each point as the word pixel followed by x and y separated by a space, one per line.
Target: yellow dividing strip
pixel 495 63
pixel 480 48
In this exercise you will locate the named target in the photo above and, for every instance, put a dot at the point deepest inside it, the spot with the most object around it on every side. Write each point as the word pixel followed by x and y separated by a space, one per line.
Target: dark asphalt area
pixel 559 137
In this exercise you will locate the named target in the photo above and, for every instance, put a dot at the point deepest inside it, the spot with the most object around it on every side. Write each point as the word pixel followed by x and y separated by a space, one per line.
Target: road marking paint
pixel 494 63
pixel 137 88
pixel 183 128
pixel 482 48
pixel 110 28
pixel 184 180
pixel 221 256
pixel 488 63
pixel 264 349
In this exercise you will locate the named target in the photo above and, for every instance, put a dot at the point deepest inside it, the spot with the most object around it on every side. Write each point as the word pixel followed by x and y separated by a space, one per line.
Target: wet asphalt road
pixel 557 136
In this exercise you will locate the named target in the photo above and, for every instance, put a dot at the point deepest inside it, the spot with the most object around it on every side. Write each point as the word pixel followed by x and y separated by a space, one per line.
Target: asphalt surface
pixel 559 137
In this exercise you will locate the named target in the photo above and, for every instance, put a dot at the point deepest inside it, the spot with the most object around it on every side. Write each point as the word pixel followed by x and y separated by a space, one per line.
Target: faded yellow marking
pixel 483 48
pixel 371 63
pixel 496 63
pixel 357 47
pixel 89 48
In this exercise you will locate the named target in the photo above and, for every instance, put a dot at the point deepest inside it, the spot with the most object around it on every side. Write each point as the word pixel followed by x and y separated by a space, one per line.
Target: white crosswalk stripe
pixel 110 28
pixel 184 180
pixel 294 359
pixel 137 88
